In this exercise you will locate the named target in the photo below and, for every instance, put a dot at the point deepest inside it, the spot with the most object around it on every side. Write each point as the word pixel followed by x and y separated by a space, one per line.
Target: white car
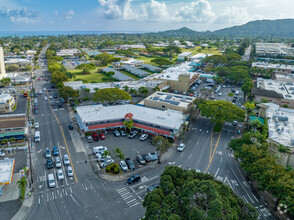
pixel 224 86
pixel 51 180
pixel 143 137
pixel 181 147
pixel 198 171
pixel 37 125
pixel 2 154
pixel 66 160
pixel 99 149
pixel 69 171
pixel 40 92
pixel 57 162
pixel 60 174
pixel 106 162
pixel 45 98
pixel 220 94
pixel 44 89
pixel 123 165
pixel 50 97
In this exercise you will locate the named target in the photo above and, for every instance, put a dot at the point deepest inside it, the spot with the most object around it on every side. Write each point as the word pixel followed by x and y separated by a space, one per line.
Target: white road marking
pixel 74 200
pixel 189 142
pixel 131 201
pixel 216 172
pixel 134 205
pixel 70 190
pixel 190 157
pixel 170 163
pixel 181 154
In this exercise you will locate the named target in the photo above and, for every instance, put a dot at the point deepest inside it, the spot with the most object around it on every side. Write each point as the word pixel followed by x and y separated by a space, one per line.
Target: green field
pixel 92 77
pixel 212 50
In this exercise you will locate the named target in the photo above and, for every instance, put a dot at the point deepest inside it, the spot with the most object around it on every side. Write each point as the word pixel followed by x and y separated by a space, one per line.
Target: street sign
pixel 22 173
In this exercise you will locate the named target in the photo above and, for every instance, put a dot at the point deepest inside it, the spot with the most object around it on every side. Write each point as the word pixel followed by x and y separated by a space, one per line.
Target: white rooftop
pixel 173 73
pixel 4 98
pixel 200 56
pixel 6 170
pixel 13 60
pixel 93 113
pixel 281 124
pixel 184 54
pixel 266 65
pixel 284 88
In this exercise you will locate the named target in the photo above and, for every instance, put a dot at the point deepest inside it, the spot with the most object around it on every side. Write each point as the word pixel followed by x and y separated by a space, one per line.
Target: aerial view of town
pixel 146 110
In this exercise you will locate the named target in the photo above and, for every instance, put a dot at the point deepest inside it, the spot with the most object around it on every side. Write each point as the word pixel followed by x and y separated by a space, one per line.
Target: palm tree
pixel 156 88
pixel 143 90
pixel 132 91
pixel 129 124
pixel 118 153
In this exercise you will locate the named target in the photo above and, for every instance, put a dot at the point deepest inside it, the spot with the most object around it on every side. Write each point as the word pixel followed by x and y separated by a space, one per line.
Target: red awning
pixel 102 126
pixel 156 130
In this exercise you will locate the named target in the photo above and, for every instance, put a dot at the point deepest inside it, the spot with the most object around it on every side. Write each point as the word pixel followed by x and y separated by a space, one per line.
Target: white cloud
pixel 233 15
pixel 23 15
pixel 118 9
pixel 155 11
pixel 199 11
pixel 69 14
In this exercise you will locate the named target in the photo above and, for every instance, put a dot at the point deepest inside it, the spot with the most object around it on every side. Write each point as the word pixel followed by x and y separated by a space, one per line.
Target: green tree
pixel 162 144
pixel 133 91
pixel 220 111
pixel 143 91
pixel 126 88
pixel 110 95
pixel 171 50
pixel 118 153
pixel 67 92
pixel 105 58
pixel 58 77
pixel 247 87
pixel 161 62
pixel 129 124
pixel 155 89
pixel 86 67
pixel 5 81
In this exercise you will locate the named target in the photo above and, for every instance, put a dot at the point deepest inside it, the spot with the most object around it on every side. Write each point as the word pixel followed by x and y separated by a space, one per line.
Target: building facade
pixel 2 64
pixel 13 126
pixel 6 103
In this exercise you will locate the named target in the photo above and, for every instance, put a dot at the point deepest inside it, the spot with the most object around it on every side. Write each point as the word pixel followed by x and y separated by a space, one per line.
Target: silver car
pixel 123 165
pixel 69 172
pixel 57 162
pixel 66 160
pixel 60 174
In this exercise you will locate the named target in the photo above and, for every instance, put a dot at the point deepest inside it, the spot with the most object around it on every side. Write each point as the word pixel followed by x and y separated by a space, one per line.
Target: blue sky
pixel 136 15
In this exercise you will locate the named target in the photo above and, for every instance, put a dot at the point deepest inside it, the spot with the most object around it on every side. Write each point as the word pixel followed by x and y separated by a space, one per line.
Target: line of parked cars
pixel 57 161
pixel 95 137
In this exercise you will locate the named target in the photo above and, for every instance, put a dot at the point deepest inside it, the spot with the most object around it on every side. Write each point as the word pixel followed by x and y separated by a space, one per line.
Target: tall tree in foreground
pixel 110 95
pixel 186 194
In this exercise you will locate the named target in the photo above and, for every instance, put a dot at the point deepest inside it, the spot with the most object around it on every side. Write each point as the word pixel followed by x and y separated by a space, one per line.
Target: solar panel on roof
pixel 168 97
pixel 155 98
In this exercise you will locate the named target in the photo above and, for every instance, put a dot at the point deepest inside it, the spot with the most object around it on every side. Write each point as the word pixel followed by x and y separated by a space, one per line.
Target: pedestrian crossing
pixel 127 196
pixel 54 194
pixel 263 211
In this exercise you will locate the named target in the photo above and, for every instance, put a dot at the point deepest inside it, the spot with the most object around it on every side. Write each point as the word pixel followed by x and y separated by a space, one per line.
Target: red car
pixel 95 136
pixel 102 136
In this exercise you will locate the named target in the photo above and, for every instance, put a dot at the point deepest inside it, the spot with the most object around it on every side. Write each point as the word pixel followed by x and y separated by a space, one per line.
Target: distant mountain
pixel 259 28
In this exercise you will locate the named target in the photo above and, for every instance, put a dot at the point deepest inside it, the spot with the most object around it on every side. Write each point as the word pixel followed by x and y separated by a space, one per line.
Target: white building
pixel 2 64
pixel 184 55
pixel 273 50
pixel 132 46
pixel 6 103
pixel 132 62
pixel 6 171
pixel 67 52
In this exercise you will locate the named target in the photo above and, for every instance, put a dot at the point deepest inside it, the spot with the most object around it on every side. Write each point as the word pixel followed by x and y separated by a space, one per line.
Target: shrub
pixel 231 94
pixel 218 126
pixel 113 168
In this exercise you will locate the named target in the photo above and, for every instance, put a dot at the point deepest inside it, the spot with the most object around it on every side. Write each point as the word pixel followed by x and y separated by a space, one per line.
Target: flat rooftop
pixel 185 54
pixel 171 98
pixel 172 73
pixel 6 170
pixel 281 124
pixel 93 113
pixel 285 89
pixel 4 98
pixel 13 121
pixel 266 65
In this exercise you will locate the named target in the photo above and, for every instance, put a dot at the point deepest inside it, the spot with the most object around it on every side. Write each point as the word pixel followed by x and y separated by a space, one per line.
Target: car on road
pixel 48 153
pixel 212 97
pixel 45 98
pixel 55 151
pixel 99 149
pixel 51 180
pixel 181 147
pixel 70 127
pixel 237 92
pixel 49 163
pixel 235 123
pixel 59 105
pixel 123 165
pixel 224 86
pixel 37 125
pixel 153 156
pixel 122 133
pixel 66 160
pixel 40 92
pixel 153 187
pixel 62 100
pixel 60 175
pixel 130 164
pixel 133 134
pixel 55 96
pixel 36 111
pixel 116 133
pixel 102 136
pixel 52 103
pixel 57 162
pixel 220 94
pixel 229 86
pixel 140 159
pixel 198 171
pixel 106 162
pixel 50 97
pixel 133 179
pixel 233 90
pixel 95 136
pixel 144 137
pixel 146 158
pixel 69 171
pixel 89 139
pixel 44 89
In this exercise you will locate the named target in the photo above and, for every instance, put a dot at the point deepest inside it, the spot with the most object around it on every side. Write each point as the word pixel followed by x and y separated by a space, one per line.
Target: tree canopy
pixel 110 95
pixel 161 62
pixel 86 67
pixel 67 91
pixel 106 58
pixel 218 110
pixel 186 194
pixel 5 81
pixel 171 50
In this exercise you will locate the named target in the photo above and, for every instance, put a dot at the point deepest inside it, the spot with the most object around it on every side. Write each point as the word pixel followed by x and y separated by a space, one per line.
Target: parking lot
pixel 129 147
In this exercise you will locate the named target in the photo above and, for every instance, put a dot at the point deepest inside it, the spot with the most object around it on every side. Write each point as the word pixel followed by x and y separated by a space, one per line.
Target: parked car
pixel 2 154
pixel 95 136
pixel 122 133
pixel 123 165
pixel 70 127
pixel 55 96
pixel 99 149
pixel 60 174
pixel 102 136
pixel 37 125
pixel 57 162
pixel 143 137
pixel 181 147
pixel 224 86
pixel 107 162
pixel 153 187
pixel 133 179
pixel 89 139
pixel 59 105
pixel 36 111
pixel 40 92
pixel 133 134
pixel 130 164
pixel 51 180
pixel 69 171
pixel 116 133
pixel 146 158
pixel 220 94
pixel 50 97
pixel 66 160
pixel 45 98
pixel 140 159
pixel 52 103
pixel 235 123
pixel 55 151
pixel 49 164
pixel 62 100
pixel 153 156
pixel 48 153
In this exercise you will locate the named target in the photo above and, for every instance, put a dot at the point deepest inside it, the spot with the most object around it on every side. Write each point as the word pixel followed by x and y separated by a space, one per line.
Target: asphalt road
pixel 86 196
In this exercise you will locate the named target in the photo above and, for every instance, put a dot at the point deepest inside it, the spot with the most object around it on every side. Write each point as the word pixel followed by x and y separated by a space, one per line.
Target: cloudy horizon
pixel 136 15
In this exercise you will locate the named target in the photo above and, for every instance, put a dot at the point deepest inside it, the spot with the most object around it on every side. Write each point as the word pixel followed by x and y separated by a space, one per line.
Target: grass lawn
pixel 212 50
pixel 88 78
pixel 147 60
pixel 129 74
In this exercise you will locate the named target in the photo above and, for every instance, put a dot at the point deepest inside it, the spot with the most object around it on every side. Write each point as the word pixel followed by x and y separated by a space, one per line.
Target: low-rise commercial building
pixel 155 122
pixel 132 46
pixel 6 171
pixel 164 101
pixel 19 61
pixel 6 103
pixel 13 126
pixel 67 52
pixel 277 68
pixel 273 50
pixel 184 56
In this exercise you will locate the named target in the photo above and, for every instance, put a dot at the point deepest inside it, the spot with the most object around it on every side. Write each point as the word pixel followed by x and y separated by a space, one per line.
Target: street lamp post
pixel 133 159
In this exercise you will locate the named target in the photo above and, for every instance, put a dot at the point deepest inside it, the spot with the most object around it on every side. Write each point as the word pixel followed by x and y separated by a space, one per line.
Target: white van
pixel 51 180
pixel 37 136
pixel 237 92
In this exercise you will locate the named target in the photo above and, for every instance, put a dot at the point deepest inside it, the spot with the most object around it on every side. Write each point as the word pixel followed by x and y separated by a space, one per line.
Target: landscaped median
pixel 22 183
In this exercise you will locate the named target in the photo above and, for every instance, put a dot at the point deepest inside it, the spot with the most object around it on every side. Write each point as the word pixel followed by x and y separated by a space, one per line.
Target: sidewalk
pixel 153 165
